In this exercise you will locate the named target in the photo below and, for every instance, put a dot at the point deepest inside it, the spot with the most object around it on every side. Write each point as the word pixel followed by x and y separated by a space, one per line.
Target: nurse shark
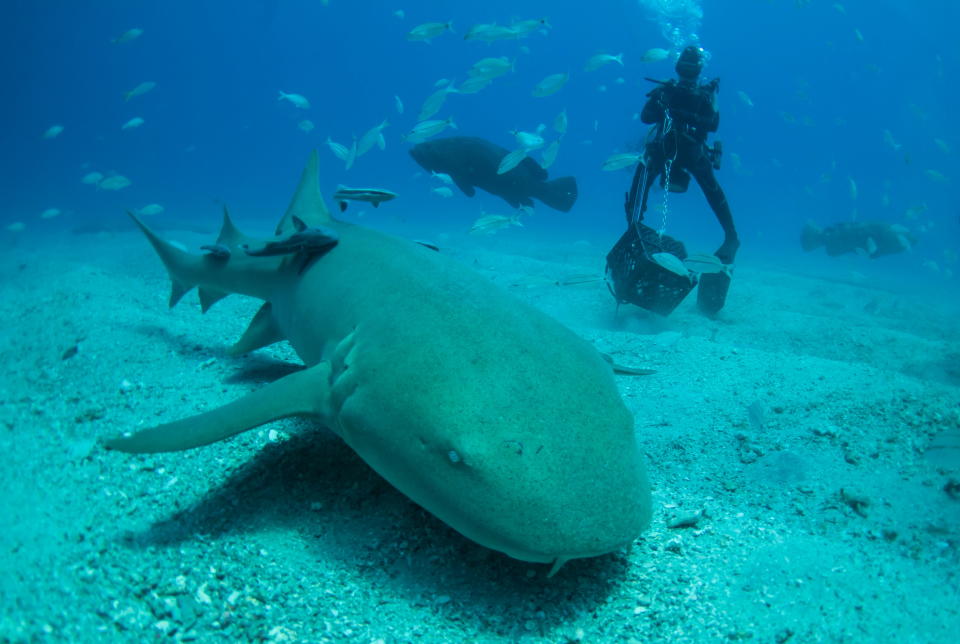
pixel 486 412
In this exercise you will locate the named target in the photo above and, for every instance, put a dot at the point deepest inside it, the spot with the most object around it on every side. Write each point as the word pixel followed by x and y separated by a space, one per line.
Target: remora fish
pixel 473 162
pixel 374 196
pixel 483 410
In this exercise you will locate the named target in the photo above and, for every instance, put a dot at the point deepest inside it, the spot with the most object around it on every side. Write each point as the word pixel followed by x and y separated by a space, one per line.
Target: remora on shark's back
pixel 483 410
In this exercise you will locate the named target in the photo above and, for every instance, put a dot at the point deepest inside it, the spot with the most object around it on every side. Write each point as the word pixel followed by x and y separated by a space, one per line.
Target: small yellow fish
pixel 491 67
pixel 524 28
pixel 127 36
pixel 936 175
pixel 491 32
pixel 339 150
pixel 655 55
pixel 136 121
pixel 372 137
pixel 550 85
pixel 473 85
pixel 560 122
pixel 425 129
pixel 52 132
pixel 428 30
pixel 150 209
pixel 550 155
pixel 745 99
pixel 435 101
pixel 511 160
pixel 295 99
pixel 139 90
pixel 529 140
pixel 599 60
pixel 116 182
pixel 889 140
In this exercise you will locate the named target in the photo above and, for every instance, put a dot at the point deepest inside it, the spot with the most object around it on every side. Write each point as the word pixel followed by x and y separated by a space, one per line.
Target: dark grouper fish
pixel 472 163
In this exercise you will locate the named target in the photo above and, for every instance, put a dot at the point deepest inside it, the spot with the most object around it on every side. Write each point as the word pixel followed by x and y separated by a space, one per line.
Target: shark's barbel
pixel 483 410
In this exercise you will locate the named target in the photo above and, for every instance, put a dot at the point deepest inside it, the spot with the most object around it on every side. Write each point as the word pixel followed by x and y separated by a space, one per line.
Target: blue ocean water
pixel 825 81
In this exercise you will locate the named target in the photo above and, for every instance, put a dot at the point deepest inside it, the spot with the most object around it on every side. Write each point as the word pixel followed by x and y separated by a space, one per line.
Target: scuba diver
pixel 683 113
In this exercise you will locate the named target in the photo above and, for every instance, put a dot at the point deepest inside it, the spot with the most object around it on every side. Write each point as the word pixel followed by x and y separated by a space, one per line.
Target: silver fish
pixel 489 224
pixel 705 264
pixel 618 161
pixel 670 262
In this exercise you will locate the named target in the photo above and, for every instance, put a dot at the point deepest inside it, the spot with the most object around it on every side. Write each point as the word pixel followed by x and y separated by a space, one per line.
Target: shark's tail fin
pixel 812 237
pixel 559 194
pixel 180 264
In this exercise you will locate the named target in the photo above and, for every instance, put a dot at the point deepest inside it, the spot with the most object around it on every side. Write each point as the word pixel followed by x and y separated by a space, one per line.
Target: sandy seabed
pixel 786 443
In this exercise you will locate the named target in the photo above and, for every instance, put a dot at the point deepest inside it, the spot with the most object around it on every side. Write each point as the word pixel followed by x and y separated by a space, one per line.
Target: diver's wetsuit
pixel 685 113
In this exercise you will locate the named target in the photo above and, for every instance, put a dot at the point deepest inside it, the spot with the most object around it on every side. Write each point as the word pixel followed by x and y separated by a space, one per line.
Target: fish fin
pixel 262 331
pixel 307 202
pixel 343 206
pixel 559 194
pixel 209 297
pixel 557 565
pixel 376 204
pixel 178 262
pixel 303 393
pixel 230 235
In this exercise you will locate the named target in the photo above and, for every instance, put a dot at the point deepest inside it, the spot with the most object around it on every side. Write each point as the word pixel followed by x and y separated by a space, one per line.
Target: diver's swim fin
pixel 712 292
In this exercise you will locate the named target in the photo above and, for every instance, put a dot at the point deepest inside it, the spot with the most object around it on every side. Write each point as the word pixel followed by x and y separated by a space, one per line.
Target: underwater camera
pixel 634 276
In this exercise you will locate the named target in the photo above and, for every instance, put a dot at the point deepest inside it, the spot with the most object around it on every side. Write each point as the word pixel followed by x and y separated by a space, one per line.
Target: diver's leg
pixel 630 201
pixel 702 171
pixel 654 162
pixel 713 288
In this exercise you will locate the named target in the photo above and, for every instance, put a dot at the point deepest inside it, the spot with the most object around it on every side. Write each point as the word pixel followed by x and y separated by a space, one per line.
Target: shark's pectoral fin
pixel 262 331
pixel 304 393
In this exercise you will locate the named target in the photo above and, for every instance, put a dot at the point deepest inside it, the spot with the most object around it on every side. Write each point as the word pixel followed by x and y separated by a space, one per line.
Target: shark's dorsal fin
pixel 230 235
pixel 307 203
